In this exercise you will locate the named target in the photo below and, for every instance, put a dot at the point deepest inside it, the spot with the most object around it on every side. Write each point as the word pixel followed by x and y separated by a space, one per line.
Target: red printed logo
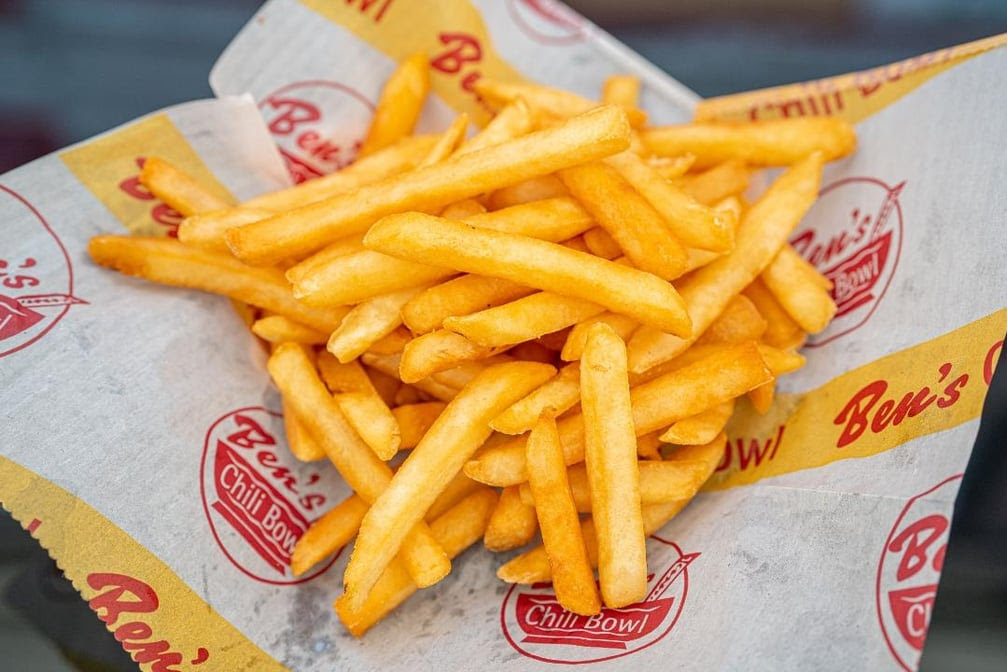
pixel 318 125
pixel 537 626
pixel 856 244
pixel 909 570
pixel 257 497
pixel 547 21
pixel 36 283
pixel 119 596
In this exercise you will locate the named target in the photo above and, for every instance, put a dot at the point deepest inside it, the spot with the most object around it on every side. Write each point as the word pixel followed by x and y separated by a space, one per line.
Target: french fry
pixel 527 191
pixel 328 534
pixel 533 566
pixel 169 262
pixel 459 431
pixel 800 289
pixel 671 167
pixel 762 397
pixel 296 377
pixel 409 394
pixel 628 217
pixel 182 192
pixel 460 487
pixel 386 386
pixel 552 219
pixel 556 396
pixel 780 362
pixel 610 459
pixel 414 420
pixel 648 446
pixel 781 330
pixel 779 142
pixel 425 239
pixel 724 373
pixel 280 329
pixel 463 372
pixel 511 122
pixel 572 577
pixel 368 322
pixel 462 209
pixel 457 529
pixel 392 343
pixel 600 243
pixel 622 90
pixel 392 160
pixel 437 351
pixel 701 428
pixel 206 230
pixel 316 263
pixel 593 135
pixel 301 444
pixel 691 222
pixel 551 103
pixel 574 346
pixel 399 105
pixel 740 321
pixel 522 320
pixel 712 185
pixel 707 291
pixel 513 523
pixel 448 142
pixel 389 365
pixel 458 296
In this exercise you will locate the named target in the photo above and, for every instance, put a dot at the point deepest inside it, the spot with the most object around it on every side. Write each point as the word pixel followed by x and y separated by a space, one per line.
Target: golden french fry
pixel 671 167
pixel 623 90
pixel 459 431
pixel 462 374
pixel 369 322
pixel 556 396
pixel 207 230
pixel 437 351
pixel 511 122
pixel 691 222
pixel 781 330
pixel 408 394
pixel 723 180
pixel 396 158
pixel 610 458
pixel 392 343
pixel 533 566
pixel 399 105
pixel 740 321
pixel 169 262
pixel 572 577
pixel 328 534
pixel 528 191
pixel 574 345
pixel 280 329
pixel 522 320
pixel 778 142
pixel 628 217
pixel 800 289
pixel 725 372
pixel 301 444
pixel 762 397
pixel 600 243
pixel 295 375
pixel 513 523
pixel 386 386
pixel 593 135
pixel 448 142
pixel 389 365
pixel 701 428
pixel 707 290
pixel 779 361
pixel 425 239
pixel 552 219
pixel 549 102
pixel 457 529
pixel 460 487
pixel 459 296
pixel 182 192
pixel 414 420
pixel 462 209
pixel 316 263
pixel 364 408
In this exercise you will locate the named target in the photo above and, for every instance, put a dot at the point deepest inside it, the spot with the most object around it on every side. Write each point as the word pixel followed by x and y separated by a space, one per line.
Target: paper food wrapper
pixel 144 448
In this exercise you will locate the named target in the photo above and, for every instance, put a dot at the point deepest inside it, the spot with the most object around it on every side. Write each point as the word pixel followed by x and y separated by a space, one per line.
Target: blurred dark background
pixel 73 68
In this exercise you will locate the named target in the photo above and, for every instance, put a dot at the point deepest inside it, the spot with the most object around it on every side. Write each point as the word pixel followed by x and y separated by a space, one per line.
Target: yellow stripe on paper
pixel 922 390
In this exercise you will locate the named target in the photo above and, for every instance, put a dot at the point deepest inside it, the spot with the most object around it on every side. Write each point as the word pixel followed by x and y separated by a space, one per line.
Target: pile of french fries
pixel 567 305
